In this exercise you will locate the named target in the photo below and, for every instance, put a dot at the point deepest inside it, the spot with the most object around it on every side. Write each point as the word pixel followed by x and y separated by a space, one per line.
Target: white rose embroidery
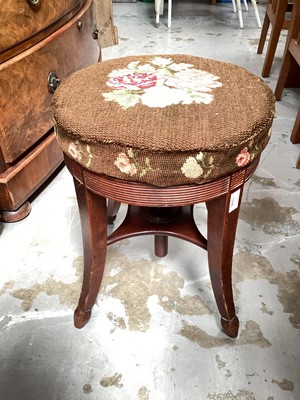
pixel 161 84
pixel 191 168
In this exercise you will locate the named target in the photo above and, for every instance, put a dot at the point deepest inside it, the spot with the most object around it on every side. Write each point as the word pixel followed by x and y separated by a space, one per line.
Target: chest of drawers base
pixel 19 182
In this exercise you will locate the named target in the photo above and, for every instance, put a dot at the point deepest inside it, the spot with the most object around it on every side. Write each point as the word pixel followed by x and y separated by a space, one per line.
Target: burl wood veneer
pixel 41 43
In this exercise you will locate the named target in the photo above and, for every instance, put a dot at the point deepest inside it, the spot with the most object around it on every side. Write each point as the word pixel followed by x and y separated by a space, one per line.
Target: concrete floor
pixel 155 333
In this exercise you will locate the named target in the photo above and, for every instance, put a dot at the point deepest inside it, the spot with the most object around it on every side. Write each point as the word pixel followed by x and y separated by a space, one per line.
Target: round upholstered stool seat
pixel 162 133
pixel 163 120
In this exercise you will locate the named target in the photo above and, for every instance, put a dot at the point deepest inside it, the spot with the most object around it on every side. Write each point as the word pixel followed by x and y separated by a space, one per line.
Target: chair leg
pixel 234 6
pixel 274 37
pixel 256 13
pixel 283 75
pixel 221 231
pixel 295 136
pixel 169 13
pixel 298 163
pixel 93 216
pixel 239 10
pixel 263 34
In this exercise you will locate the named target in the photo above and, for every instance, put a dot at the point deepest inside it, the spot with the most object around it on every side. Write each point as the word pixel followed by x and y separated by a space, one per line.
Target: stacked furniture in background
pixel 276 15
pixel 290 69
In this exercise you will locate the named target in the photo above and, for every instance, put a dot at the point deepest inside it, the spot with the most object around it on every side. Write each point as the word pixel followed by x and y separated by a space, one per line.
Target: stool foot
pixel 231 327
pixel 81 317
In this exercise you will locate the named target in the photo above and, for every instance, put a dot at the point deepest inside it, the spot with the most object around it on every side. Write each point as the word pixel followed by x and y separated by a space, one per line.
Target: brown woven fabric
pixel 128 134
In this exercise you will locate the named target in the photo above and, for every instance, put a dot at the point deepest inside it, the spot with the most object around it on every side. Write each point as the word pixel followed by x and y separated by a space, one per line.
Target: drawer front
pixel 19 182
pixel 21 19
pixel 25 99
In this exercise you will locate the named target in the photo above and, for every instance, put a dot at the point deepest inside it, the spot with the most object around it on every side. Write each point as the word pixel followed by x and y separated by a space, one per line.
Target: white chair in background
pixel 237 7
pixel 159 9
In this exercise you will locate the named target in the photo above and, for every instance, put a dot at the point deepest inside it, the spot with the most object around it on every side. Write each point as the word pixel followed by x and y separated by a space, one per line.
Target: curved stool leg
pixel 221 229
pixel 93 217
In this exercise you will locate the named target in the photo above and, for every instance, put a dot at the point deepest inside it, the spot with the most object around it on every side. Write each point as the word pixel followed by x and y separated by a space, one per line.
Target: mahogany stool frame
pixel 162 212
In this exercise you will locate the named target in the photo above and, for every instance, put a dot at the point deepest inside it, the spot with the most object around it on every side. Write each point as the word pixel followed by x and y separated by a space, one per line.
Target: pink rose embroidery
pixel 243 158
pixel 133 81
pixel 123 163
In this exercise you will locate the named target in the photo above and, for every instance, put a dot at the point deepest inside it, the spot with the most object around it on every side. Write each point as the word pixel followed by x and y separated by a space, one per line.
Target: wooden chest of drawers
pixel 41 42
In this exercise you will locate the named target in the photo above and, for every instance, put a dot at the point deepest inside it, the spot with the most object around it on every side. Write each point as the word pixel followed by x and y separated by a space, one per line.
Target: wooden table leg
pixel 93 216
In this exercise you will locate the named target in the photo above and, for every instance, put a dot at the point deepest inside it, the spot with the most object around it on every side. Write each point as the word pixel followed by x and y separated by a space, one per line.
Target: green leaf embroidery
pixel 123 97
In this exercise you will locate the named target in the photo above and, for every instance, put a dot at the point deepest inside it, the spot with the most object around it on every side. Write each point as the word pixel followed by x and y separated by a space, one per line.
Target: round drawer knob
pixel 95 34
pixel 53 81
pixel 33 2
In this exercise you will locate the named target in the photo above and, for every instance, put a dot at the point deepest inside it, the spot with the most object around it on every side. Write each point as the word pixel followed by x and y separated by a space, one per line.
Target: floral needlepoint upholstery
pixel 163 120
pixel 159 83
